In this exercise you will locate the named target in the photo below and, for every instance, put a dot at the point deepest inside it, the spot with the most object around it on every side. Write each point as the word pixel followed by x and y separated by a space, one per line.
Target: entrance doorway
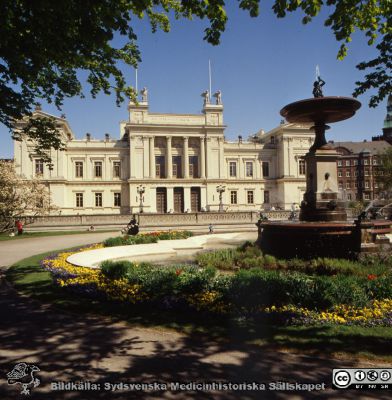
pixel 178 197
pixel 161 200
pixel 195 199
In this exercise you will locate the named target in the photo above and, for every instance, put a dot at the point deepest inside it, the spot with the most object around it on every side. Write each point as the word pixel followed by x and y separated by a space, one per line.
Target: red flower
pixel 372 277
pixel 178 272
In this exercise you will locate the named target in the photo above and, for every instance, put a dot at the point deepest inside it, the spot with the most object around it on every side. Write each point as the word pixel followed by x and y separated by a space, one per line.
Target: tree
pixel 20 198
pixel 44 44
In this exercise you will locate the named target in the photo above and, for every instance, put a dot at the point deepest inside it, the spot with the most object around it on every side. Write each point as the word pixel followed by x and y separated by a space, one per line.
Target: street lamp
pixel 220 189
pixel 141 189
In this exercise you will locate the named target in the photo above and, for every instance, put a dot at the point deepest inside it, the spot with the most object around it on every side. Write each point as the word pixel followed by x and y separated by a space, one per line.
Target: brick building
pixel 358 168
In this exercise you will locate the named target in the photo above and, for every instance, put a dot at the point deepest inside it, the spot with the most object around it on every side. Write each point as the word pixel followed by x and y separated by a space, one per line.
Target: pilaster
pixel 202 158
pixel 152 158
pixel 169 160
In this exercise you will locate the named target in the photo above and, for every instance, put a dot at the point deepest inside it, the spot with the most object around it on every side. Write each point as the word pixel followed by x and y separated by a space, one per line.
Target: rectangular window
pixel 193 166
pixel 250 197
pixel 79 200
pixel 302 167
pixel 376 185
pixel 117 199
pixel 340 163
pixel 249 168
pixel 366 184
pixel 348 185
pixel 79 169
pixel 175 170
pixel 366 172
pixel 347 163
pixel 265 168
pixel 98 199
pixel 355 185
pixel 266 196
pixel 366 196
pixel 176 163
pixel 39 167
pixel 374 161
pixel 340 185
pixel 349 196
pixel 232 169
pixel 355 173
pixel 116 169
pixel 233 197
pixel 159 166
pixel 340 174
pixel 348 174
pixel 98 169
pixel 355 162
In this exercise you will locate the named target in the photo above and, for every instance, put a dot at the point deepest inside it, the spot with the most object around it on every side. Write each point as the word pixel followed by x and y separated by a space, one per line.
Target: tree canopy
pixel 20 198
pixel 44 44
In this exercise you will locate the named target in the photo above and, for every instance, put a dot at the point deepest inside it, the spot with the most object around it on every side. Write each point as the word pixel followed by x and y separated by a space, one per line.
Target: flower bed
pixel 290 296
pixel 144 238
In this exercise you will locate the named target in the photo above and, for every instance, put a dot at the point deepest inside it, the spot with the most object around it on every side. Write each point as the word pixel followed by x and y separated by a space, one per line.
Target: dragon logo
pixel 23 374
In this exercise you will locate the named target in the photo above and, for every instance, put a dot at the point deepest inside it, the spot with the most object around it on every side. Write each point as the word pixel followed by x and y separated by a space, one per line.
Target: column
pixel 187 199
pixel 152 158
pixel 146 154
pixel 169 160
pixel 202 158
pixel 186 159
pixel 169 199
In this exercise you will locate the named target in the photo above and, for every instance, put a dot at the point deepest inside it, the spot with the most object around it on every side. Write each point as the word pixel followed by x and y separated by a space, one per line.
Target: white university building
pixel 171 163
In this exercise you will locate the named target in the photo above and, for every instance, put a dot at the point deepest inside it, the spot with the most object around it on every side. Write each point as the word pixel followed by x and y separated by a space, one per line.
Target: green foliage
pixel 221 259
pixel 116 269
pixel 249 256
pixel 193 280
pixel 129 240
pixel 330 291
pixel 174 235
pixel 42 58
pixel 380 287
pixel 146 238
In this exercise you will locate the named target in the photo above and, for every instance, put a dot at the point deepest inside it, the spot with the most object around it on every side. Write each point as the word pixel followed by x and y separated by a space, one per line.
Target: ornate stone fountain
pixel 323 229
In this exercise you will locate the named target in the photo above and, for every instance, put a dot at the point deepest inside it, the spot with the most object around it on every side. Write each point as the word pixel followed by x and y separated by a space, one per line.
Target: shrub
pixel 220 259
pixel 337 290
pixel 193 280
pixel 379 287
pixel 116 269
pixel 146 238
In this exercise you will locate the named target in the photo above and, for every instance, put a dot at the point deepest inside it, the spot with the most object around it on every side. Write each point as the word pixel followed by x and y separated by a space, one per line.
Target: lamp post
pixel 141 189
pixel 220 189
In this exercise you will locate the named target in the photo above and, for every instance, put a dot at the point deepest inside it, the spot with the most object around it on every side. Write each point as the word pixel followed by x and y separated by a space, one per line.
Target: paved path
pixel 69 347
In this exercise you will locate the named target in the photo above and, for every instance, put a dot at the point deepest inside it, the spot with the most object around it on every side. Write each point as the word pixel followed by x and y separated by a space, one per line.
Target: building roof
pixel 372 147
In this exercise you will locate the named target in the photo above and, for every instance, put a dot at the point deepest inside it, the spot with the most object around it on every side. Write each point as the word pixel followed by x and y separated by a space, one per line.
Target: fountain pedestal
pixel 321 201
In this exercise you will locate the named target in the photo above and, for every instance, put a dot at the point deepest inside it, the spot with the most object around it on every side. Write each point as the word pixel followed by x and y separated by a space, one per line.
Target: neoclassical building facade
pixel 174 163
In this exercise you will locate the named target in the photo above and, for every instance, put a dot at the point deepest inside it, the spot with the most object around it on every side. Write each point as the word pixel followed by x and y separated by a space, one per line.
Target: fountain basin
pixel 321 239
pixel 321 110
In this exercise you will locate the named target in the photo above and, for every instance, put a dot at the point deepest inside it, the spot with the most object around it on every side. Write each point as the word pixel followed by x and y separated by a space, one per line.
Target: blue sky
pixel 261 65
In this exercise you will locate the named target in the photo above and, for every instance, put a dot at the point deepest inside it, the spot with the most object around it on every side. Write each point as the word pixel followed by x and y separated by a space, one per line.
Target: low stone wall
pixel 191 221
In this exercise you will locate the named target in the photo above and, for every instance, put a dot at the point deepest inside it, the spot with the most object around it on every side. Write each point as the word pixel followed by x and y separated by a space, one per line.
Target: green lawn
pixel 324 340
pixel 26 235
